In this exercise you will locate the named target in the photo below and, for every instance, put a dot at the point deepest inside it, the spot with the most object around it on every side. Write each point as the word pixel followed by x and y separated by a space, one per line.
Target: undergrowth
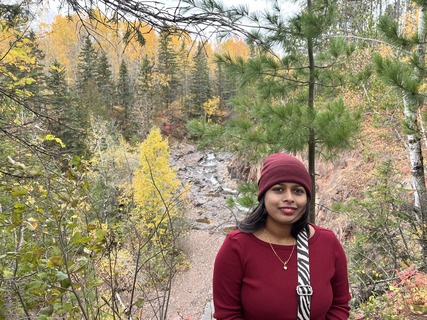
pixel 406 298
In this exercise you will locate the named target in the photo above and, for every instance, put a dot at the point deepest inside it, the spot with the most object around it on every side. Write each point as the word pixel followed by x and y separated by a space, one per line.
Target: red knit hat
pixel 281 167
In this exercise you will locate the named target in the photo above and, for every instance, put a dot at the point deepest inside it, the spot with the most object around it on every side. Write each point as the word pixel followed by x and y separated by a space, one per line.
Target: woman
pixel 256 270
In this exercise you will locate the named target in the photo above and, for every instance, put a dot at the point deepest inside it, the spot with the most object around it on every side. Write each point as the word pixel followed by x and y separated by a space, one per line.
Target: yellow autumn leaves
pixel 158 192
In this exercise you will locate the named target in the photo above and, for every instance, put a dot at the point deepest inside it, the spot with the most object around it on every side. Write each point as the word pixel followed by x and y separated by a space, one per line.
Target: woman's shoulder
pixel 239 236
pixel 324 233
pixel 238 240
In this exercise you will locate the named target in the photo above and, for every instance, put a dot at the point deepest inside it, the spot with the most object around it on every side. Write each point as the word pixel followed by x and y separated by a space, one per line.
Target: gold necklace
pixel 285 263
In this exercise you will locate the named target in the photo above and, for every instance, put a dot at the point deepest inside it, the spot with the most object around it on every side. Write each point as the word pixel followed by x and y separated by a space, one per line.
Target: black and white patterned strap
pixel 304 289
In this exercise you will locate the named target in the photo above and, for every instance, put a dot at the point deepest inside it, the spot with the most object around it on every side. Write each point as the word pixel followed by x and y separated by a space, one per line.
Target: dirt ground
pixel 191 297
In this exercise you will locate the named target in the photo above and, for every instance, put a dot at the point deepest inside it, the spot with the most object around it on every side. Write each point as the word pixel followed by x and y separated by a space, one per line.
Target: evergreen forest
pixel 92 210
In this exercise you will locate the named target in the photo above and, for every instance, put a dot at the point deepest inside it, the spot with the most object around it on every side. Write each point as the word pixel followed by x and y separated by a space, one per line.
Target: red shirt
pixel 249 282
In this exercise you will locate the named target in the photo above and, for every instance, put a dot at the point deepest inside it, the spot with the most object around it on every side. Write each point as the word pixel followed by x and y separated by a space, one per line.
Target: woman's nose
pixel 288 196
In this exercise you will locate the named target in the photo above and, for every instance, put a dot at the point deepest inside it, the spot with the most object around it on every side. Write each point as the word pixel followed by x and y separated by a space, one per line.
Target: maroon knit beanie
pixel 281 167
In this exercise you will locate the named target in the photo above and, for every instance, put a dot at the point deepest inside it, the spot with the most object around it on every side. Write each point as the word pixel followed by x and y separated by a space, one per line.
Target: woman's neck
pixel 278 235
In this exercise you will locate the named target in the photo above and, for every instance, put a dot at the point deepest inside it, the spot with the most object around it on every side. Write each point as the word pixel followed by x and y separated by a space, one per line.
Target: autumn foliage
pixel 157 189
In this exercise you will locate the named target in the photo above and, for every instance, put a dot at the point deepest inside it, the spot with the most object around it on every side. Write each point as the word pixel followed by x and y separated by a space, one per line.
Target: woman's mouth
pixel 288 210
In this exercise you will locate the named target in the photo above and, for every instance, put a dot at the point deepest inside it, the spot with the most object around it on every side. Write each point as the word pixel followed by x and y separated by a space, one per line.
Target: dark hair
pixel 255 220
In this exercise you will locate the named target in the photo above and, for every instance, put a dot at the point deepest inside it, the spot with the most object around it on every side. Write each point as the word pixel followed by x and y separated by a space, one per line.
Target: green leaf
pixel 16 218
pixel 46 311
pixel 66 283
pixel 37 287
pixel 61 275
pixel 36 284
pixel 100 234
pixel 19 207
pixel 78 238
pixel 67 306
pixel 54 261
pixel 42 275
pixel 140 303
pixel 18 191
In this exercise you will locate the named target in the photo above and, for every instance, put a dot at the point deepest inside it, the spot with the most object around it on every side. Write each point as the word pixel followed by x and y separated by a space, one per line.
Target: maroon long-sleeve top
pixel 249 281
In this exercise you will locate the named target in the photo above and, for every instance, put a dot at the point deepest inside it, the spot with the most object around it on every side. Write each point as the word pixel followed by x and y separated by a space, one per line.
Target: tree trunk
pixel 311 136
pixel 422 126
pixel 417 172
pixel 414 141
pixel 415 156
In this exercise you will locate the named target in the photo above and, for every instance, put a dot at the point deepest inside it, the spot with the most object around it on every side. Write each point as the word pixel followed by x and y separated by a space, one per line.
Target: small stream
pixel 207 174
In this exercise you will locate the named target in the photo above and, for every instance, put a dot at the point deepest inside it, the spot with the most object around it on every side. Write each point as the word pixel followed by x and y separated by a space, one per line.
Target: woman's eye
pixel 300 191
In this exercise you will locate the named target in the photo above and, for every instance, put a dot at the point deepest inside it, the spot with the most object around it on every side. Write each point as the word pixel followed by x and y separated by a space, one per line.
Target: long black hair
pixel 255 220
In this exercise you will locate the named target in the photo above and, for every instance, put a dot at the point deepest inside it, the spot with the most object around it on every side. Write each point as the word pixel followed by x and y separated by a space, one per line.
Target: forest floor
pixel 191 297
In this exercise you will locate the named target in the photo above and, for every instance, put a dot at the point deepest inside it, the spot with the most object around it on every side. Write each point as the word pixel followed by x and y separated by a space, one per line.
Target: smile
pixel 288 211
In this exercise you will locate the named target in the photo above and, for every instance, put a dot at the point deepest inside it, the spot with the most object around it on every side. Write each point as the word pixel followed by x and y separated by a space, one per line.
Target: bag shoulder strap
pixel 304 289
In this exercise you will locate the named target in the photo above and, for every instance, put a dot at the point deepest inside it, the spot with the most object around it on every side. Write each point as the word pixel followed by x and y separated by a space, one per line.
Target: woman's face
pixel 285 202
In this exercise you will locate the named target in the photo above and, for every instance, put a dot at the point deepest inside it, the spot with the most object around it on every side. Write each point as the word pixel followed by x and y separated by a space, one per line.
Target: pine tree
pixel 200 88
pixel 88 95
pixel 36 72
pixel 224 85
pixel 59 96
pixel 167 69
pixel 86 68
pixel 123 98
pixel 145 106
pixel 124 94
pixel 184 69
pixel 289 103
pixel 66 120
pixel 104 81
